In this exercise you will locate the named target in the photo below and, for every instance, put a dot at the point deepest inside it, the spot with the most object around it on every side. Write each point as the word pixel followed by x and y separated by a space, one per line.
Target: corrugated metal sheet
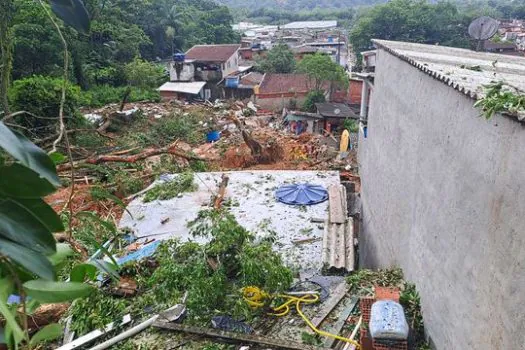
pixel 338 238
pixel 188 88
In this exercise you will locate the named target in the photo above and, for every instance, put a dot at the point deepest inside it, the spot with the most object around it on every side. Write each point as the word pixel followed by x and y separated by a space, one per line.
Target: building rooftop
pixel 310 25
pixel 282 83
pixel 193 87
pixel 335 110
pixel 464 70
pixel 251 79
pixel 212 53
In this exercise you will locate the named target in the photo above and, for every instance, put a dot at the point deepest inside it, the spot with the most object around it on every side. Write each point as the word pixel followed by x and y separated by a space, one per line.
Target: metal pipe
pixel 129 333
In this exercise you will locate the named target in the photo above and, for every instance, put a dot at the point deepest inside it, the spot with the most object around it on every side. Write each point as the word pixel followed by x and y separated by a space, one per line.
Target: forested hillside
pixel 297 5
pixel 120 31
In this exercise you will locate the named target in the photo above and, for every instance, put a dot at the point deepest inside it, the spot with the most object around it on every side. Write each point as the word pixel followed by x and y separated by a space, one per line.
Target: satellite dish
pixel 483 28
pixel 337 111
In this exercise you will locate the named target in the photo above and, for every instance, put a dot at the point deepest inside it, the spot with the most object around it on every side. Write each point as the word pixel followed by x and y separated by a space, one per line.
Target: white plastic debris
pixel 251 106
pixel 93 118
pixel 157 116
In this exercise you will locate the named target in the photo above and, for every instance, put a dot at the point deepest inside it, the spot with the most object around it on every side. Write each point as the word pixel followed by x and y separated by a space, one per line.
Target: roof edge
pixel 438 76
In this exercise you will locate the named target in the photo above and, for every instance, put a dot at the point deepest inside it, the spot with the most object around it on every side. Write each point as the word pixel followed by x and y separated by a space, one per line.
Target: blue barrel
pixel 213 136
pixel 365 131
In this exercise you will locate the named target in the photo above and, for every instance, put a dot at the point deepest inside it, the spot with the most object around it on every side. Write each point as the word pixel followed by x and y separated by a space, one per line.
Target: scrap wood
pixel 238 337
pixel 330 304
pixel 222 191
pixel 306 240
pixel 170 149
pixel 341 320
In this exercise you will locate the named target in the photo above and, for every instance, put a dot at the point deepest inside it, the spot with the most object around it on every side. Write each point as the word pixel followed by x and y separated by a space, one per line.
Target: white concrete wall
pixel 231 65
pixel 187 73
pixel 443 193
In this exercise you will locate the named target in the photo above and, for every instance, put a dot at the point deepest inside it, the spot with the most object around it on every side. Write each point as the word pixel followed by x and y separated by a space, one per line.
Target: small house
pixel 334 115
pixel 182 90
pixel 205 63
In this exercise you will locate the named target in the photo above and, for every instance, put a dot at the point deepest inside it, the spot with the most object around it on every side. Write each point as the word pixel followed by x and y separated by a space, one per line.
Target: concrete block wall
pixel 443 197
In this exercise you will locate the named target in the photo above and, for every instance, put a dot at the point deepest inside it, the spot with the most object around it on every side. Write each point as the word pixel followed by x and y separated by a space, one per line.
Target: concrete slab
pixel 255 208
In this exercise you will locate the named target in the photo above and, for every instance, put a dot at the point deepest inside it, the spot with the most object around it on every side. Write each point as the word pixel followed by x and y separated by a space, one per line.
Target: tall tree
pixel 413 21
pixel 320 69
pixel 6 51
pixel 279 59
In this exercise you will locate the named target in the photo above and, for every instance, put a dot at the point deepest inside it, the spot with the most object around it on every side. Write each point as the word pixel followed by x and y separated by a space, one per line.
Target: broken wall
pixel 443 197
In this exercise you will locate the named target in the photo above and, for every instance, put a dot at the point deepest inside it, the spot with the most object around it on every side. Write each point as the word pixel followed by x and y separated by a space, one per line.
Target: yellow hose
pixel 256 298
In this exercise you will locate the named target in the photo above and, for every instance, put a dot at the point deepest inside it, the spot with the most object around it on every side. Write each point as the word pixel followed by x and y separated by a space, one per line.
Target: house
pixel 334 114
pixel 278 91
pixel 442 193
pixel 182 90
pixel 241 86
pixel 502 47
pixel 205 63
pixel 298 122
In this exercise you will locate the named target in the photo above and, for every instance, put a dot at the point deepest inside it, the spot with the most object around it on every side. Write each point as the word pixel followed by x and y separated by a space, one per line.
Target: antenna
pixel 481 29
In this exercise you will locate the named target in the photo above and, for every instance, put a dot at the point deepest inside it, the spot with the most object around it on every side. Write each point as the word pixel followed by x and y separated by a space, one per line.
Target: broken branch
pixel 170 149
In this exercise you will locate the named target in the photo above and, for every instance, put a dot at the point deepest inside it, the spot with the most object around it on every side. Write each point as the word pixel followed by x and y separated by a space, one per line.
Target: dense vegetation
pixel 295 5
pixel 120 31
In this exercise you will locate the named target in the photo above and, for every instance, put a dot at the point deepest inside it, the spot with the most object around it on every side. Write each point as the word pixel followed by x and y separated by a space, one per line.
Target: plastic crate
pixel 380 344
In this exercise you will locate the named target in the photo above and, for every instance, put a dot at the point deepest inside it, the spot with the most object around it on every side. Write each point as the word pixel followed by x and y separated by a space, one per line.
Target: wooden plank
pixel 337 216
pixel 330 304
pixel 336 329
pixel 239 337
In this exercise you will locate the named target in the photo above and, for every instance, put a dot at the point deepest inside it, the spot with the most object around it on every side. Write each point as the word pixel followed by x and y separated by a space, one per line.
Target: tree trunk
pixel 6 51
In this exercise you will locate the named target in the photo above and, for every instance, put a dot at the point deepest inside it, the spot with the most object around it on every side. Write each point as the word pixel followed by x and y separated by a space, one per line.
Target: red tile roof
pixel 212 53
pixel 283 83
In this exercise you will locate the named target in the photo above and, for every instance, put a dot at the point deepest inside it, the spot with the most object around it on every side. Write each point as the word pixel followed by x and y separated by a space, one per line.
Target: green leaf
pixel 106 224
pixel 56 292
pixel 50 332
pixel 81 271
pixel 57 158
pixel 43 212
pixel 28 259
pixel 73 13
pixel 107 267
pixel 10 320
pixel 20 225
pixel 7 286
pixel 29 183
pixel 63 251
pixel 28 154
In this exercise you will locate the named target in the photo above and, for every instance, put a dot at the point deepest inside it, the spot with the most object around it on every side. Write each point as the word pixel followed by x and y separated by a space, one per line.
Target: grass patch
pixel 184 182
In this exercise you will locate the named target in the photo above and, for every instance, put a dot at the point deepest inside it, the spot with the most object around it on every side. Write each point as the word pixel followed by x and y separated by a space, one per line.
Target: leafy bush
pixel 313 97
pixel 182 127
pixel 101 95
pixel 144 74
pixel 171 189
pixel 350 125
pixel 41 96
pixel 106 75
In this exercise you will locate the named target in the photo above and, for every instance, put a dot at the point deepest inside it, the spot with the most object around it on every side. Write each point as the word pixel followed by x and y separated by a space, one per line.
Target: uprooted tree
pixel 266 154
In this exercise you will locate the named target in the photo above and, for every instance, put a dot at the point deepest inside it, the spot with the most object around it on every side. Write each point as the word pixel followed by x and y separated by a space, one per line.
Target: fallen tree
pixel 262 154
pixel 170 149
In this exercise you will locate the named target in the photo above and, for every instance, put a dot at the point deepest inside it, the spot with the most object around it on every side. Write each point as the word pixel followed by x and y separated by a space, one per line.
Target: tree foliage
pixel 313 97
pixel 321 70
pixel 413 21
pixel 144 74
pixel 279 59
